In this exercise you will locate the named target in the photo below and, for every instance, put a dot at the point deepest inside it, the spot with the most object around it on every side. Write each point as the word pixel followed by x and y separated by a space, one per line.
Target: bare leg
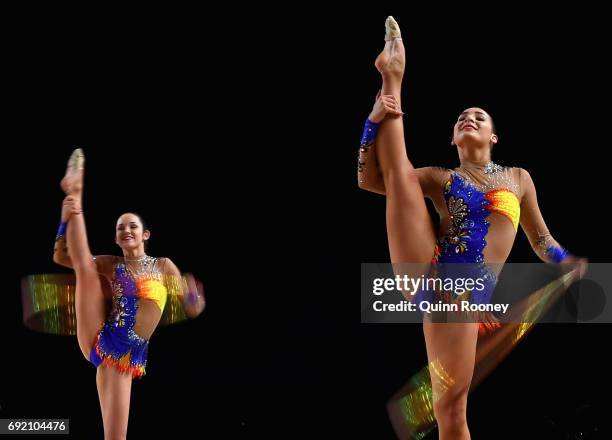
pixel 114 390
pixel 89 296
pixel 410 229
pixel 453 346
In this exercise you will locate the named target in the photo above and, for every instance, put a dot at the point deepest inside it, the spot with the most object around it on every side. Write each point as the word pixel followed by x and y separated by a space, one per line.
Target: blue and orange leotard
pixel 469 207
pixel 117 344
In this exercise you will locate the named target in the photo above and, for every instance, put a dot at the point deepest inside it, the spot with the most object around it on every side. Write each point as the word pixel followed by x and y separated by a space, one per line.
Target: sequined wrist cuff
pixel 192 297
pixel 61 230
pixel 370 130
pixel 557 254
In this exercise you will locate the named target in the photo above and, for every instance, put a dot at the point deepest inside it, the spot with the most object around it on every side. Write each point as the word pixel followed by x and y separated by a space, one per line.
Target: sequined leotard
pixel 117 344
pixel 469 197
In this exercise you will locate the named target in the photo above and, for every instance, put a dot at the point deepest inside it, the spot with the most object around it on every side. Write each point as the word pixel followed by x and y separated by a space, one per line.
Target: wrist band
pixel 557 254
pixel 61 230
pixel 192 297
pixel 370 130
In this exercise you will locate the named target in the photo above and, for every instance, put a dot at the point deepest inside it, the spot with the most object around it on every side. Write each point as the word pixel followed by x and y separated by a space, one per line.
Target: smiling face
pixel 130 234
pixel 474 126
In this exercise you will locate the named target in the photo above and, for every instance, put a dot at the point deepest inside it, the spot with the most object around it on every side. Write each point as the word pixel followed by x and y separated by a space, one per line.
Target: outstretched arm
pixel 190 290
pixel 542 242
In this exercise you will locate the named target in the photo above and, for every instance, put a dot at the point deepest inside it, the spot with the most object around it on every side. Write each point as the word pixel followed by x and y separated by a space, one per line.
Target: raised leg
pixel 89 296
pixel 410 228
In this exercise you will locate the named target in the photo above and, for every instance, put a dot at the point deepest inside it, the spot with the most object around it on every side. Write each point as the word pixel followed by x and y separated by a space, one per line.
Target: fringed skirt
pixel 121 348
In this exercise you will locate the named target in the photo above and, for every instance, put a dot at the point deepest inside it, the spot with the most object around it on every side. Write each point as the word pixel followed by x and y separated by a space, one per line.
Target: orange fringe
pixel 122 364
pixel 487 321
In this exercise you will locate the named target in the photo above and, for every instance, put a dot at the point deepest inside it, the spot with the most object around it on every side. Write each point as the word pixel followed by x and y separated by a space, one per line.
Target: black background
pixel 238 144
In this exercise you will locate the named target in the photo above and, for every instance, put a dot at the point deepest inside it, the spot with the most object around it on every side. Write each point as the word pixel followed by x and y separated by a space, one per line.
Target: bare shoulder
pixel 523 175
pixel 432 171
pixel 168 267
pixel 525 181
pixel 106 264
pixel 518 171
pixel 432 179
pixel 433 174
pixel 106 260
